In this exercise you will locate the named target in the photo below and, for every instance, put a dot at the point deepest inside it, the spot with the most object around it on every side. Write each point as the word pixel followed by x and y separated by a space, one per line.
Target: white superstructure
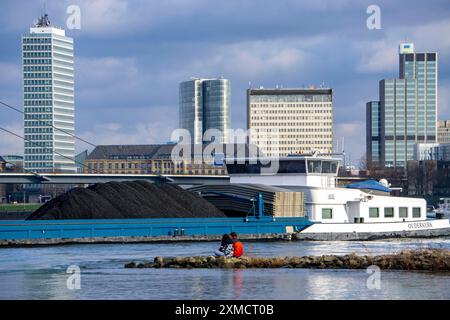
pixel 368 208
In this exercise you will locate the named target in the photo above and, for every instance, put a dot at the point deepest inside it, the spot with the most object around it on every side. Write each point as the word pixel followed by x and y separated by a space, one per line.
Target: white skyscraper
pixel 48 75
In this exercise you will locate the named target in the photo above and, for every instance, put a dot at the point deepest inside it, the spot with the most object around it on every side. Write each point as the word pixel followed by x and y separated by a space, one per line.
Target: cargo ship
pixel 358 211
pixel 289 198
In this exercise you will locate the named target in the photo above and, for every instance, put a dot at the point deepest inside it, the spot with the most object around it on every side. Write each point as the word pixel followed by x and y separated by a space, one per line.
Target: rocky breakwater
pixel 427 259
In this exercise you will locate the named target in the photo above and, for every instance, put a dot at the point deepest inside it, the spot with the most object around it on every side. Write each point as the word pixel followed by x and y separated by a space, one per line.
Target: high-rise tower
pixel 205 105
pixel 48 86
pixel 407 110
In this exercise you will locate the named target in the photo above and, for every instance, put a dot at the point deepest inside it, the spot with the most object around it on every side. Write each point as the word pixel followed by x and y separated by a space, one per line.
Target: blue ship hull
pixel 19 230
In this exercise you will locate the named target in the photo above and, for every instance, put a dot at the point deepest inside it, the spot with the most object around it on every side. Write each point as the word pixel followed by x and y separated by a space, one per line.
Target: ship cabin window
pixel 327 213
pixel 322 166
pixel 403 212
pixel 389 212
pixel 374 212
pixel 314 166
pixel 258 167
pixel 416 212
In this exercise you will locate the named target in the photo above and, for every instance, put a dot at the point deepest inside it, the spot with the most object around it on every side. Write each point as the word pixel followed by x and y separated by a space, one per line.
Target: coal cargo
pixel 123 200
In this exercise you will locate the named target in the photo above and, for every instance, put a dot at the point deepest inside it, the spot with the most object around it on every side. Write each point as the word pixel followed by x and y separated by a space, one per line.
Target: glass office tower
pixel 373 134
pixel 204 105
pixel 191 109
pixel 408 108
pixel 422 67
pixel 399 124
pixel 48 85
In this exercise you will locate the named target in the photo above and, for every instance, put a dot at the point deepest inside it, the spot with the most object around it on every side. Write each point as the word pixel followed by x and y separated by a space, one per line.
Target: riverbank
pixel 419 259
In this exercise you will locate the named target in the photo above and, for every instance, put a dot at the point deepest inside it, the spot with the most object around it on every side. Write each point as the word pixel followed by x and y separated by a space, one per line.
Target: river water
pixel 40 273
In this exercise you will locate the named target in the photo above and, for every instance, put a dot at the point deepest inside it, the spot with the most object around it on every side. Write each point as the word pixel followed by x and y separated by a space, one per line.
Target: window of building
pixel 327 213
pixel 388 212
pixel 416 213
pixel 403 212
pixel 374 212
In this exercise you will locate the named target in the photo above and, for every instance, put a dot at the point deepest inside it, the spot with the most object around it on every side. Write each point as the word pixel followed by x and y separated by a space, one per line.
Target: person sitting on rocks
pixel 238 248
pixel 226 247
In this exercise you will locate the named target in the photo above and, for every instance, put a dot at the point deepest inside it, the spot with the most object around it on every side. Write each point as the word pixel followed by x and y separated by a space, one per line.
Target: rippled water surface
pixel 40 273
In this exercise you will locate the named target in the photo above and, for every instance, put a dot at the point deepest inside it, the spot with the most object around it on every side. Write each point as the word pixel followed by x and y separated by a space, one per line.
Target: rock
pixel 435 260
pixel 130 265
pixel 295 261
pixel 179 260
pixel 159 262
pixel 168 261
pixel 228 265
pixel 192 260
pixel 353 263
pixel 211 260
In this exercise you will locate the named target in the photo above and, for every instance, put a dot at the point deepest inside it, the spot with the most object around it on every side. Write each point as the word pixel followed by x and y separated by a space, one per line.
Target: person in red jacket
pixel 238 248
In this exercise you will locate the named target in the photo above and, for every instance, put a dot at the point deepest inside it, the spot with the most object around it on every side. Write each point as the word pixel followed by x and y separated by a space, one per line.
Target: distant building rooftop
pixel 161 151
pixel 443 123
pixel 289 91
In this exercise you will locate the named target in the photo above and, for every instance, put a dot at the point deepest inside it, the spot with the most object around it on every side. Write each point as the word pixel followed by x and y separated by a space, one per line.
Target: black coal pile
pixel 122 200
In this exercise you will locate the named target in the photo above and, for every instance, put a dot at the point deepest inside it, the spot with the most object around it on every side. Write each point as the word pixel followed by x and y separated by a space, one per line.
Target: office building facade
pixel 443 131
pixel 283 122
pixel 204 104
pixel 157 159
pixel 407 108
pixel 373 134
pixel 48 82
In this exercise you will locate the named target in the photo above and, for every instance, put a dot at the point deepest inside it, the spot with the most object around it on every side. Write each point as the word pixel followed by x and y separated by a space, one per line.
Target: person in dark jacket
pixel 226 247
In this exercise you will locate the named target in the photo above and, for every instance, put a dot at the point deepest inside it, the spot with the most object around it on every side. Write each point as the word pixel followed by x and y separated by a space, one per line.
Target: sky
pixel 130 57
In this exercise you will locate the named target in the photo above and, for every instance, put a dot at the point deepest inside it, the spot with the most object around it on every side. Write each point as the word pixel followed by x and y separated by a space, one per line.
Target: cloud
pixel 377 56
pixel 104 16
pixel 10 144
pixel 105 71
pixel 104 82
pixel 142 125
pixel 9 74
pixel 381 55
pixel 444 100
pixel 245 60
pixel 433 36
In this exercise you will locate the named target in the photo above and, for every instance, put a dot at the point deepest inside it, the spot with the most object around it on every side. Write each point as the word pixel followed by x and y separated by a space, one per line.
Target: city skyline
pixel 115 104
